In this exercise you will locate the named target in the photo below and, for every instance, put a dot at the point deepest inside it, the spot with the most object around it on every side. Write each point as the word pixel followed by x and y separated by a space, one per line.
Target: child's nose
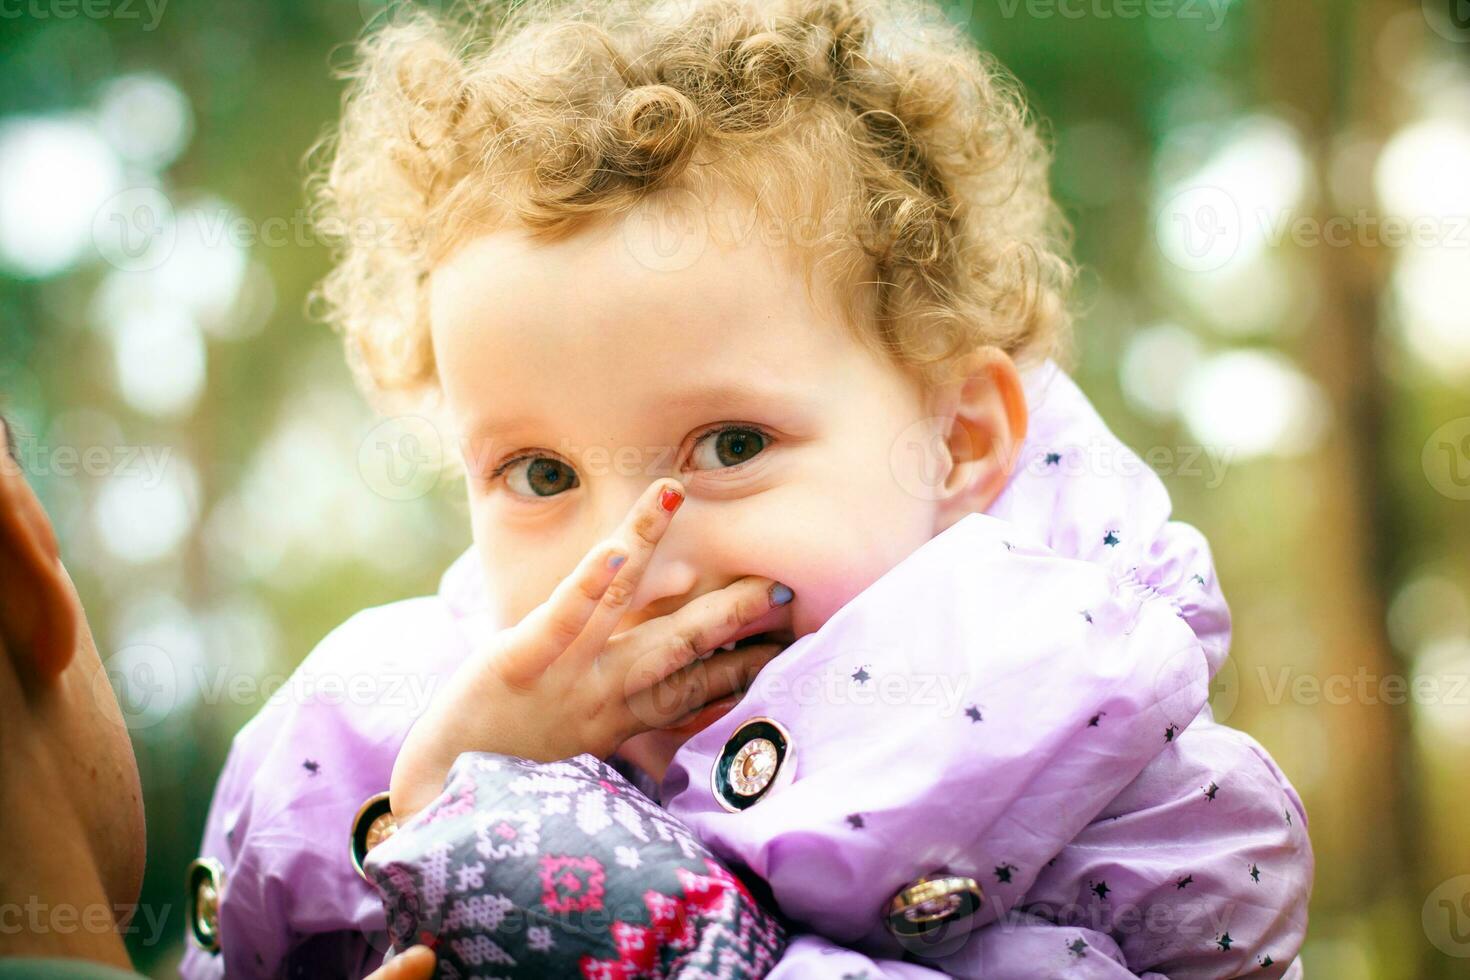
pixel 668 582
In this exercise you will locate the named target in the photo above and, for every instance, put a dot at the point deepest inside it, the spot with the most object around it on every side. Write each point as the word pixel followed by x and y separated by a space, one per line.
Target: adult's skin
pixel 71 807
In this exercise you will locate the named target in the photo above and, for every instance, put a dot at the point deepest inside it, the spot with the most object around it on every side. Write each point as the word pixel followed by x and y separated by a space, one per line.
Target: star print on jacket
pixel 312 766
pixel 1052 459
pixel 1003 873
pixel 1210 792
pixel 1036 791
pixel 1077 947
pixel 1255 874
pixel 973 713
pixel 1224 941
pixel 855 820
pixel 1095 719
pixel 861 675
pixel 1202 753
pixel 1111 539
pixel 1170 732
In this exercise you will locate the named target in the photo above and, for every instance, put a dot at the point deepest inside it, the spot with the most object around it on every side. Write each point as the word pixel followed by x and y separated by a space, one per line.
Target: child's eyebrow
pixel 727 396
pixel 732 393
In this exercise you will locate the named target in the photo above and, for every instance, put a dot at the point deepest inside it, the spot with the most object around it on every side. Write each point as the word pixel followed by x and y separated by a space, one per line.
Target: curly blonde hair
pixel 875 123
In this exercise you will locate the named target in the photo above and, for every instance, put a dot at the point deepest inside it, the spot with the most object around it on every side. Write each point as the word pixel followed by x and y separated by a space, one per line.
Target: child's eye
pixel 538 476
pixel 725 447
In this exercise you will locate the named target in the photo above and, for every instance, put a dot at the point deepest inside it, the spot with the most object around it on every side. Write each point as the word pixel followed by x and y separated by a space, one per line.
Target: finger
pixel 651 651
pixel 638 535
pixel 553 626
pixel 414 963
pixel 679 697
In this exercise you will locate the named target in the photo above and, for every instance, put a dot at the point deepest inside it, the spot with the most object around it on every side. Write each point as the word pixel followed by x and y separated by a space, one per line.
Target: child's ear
pixel 985 405
pixel 38 612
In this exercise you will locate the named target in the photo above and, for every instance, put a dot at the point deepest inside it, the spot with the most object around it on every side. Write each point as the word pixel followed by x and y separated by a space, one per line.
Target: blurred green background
pixel 1272 205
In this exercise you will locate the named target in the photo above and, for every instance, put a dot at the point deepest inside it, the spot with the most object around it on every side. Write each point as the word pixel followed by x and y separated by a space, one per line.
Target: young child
pixel 973 649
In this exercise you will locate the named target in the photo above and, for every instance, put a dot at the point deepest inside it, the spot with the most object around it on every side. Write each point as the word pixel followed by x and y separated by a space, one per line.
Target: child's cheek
pixel 821 590
pixel 832 570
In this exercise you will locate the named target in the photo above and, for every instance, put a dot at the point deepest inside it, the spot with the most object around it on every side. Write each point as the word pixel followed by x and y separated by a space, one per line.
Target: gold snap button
pixel 205 884
pixel 929 902
pixel 753 767
pixel 373 824
pixel 755 760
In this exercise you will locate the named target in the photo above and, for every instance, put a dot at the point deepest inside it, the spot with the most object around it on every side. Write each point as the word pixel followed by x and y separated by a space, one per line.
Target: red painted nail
pixel 670 499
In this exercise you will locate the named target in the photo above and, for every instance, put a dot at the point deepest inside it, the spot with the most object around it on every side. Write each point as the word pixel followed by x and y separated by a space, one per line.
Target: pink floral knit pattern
pixel 523 869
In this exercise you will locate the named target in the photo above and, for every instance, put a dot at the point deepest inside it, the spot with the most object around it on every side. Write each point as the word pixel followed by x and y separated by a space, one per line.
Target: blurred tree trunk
pixel 1319 59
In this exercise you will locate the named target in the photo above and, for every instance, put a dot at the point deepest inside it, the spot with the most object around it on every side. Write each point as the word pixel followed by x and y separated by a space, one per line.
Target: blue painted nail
pixel 781 594
pixel 616 560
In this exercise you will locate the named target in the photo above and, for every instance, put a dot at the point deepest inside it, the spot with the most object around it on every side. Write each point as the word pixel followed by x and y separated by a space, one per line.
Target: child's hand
pixel 559 684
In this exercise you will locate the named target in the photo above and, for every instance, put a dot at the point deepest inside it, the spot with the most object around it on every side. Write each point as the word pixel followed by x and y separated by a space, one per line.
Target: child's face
pixel 593 374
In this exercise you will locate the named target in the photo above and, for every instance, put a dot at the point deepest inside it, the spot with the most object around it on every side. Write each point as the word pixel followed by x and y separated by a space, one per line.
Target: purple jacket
pixel 1022 701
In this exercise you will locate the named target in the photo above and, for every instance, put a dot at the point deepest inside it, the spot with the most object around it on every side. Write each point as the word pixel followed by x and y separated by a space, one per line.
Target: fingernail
pixel 670 499
pixel 615 560
pixel 781 594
